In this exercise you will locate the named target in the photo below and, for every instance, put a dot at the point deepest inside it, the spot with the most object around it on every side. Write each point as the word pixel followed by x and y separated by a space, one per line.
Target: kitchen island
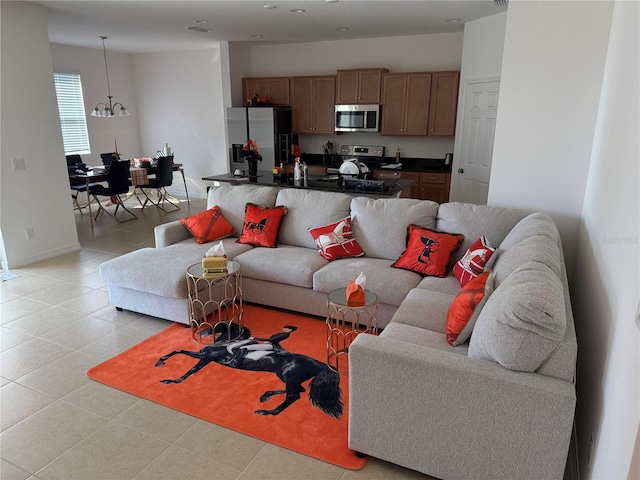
pixel 332 183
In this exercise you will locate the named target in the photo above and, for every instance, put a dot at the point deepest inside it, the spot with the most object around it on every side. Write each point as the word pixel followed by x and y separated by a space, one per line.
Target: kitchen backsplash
pixel 418 147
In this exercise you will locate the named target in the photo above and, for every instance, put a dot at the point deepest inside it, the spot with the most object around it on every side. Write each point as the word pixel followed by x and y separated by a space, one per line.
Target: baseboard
pixel 20 262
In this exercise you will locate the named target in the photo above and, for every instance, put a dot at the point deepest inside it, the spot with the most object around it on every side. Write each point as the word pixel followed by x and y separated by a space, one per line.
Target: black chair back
pixel 164 171
pixel 108 158
pixel 118 178
pixel 73 160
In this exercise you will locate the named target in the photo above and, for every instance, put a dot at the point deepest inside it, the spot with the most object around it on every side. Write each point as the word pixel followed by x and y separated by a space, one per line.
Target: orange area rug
pixel 230 396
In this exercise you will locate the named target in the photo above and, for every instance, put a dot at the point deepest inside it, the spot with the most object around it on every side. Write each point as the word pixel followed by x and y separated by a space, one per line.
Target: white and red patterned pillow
pixel 473 262
pixel 336 240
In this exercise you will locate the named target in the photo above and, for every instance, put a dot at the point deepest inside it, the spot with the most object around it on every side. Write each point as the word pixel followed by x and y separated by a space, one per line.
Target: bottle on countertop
pixel 398 155
pixel 297 173
pixel 305 174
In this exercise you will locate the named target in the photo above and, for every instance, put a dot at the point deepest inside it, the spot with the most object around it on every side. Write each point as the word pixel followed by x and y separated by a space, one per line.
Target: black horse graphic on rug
pixel 246 353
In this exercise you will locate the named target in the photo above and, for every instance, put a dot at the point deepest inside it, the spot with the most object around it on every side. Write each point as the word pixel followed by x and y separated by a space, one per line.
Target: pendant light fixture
pixel 108 108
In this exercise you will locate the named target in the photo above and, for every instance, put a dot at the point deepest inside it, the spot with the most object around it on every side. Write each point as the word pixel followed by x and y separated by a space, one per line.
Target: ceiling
pixel 145 26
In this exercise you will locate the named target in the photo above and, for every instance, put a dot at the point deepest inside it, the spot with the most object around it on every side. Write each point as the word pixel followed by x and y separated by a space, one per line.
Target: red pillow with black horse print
pixel 261 225
pixel 428 252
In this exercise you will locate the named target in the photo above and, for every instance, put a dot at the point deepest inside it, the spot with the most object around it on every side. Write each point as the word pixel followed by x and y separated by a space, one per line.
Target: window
pixel 72 117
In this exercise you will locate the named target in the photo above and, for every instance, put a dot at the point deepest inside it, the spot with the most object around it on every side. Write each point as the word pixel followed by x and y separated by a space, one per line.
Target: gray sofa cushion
pixel 285 264
pixel 538 248
pixel 232 200
pixel 419 336
pixel 534 224
pixel 473 221
pixel 391 285
pixel 523 322
pixel 308 209
pixel 380 225
pixel 427 310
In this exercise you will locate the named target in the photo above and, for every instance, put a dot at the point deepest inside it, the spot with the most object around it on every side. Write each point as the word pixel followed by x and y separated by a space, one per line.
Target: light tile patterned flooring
pixel 55 423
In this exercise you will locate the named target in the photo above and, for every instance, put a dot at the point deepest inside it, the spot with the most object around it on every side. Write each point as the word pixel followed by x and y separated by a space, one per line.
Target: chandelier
pixel 109 107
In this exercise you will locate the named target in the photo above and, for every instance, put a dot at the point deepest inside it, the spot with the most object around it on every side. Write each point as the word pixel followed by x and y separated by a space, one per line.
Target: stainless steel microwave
pixel 357 118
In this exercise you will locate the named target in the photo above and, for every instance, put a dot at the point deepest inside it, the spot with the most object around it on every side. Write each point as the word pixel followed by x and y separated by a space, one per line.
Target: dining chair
pixel 78 185
pixel 163 179
pixel 108 158
pixel 118 183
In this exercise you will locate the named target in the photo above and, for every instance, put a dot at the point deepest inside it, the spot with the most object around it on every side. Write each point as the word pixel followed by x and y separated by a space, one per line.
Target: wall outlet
pixel 590 450
pixel 18 164
pixel 30 234
pixel 638 316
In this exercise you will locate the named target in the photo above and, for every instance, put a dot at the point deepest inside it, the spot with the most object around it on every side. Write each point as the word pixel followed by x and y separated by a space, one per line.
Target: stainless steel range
pixel 354 172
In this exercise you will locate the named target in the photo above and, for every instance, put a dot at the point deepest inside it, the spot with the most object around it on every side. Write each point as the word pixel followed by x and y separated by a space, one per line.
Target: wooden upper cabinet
pixel 359 86
pixel 312 102
pixel 444 103
pixel 405 103
pixel 274 89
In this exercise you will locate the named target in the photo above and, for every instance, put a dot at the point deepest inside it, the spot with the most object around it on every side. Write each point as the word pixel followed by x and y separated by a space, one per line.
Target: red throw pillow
pixel 463 305
pixel 474 261
pixel 428 252
pixel 336 240
pixel 208 226
pixel 261 225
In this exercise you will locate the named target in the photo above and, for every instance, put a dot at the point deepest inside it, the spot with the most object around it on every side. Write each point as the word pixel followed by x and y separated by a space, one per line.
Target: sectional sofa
pixel 498 406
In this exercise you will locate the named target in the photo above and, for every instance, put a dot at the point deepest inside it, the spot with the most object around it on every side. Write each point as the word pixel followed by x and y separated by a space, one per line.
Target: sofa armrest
pixel 170 233
pixel 451 416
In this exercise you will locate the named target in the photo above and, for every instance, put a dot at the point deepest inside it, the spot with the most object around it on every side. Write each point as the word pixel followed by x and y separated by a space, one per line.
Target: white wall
pixel 552 71
pixel 180 102
pixel 606 286
pixel 39 196
pixel 481 60
pixel 103 132
pixel 398 54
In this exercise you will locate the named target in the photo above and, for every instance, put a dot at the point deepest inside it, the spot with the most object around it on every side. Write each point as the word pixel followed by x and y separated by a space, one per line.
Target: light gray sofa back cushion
pixel 380 225
pixel 524 320
pixel 309 209
pixel 473 221
pixel 537 248
pixel 232 200
pixel 534 224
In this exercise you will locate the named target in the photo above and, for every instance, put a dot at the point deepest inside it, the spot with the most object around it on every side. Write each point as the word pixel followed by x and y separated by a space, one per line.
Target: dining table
pixel 139 176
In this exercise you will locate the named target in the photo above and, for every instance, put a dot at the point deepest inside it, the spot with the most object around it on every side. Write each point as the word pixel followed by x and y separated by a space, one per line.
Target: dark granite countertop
pixel 409 164
pixel 316 182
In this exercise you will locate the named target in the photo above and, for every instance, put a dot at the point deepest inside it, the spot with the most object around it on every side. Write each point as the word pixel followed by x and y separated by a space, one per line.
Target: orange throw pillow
pixel 208 226
pixel 463 305
pixel 261 225
pixel 428 252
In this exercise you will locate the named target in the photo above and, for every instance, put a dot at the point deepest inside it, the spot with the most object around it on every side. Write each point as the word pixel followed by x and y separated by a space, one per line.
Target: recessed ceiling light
pixel 269 7
pixel 256 36
pixel 201 21
pixel 297 10
pixel 198 29
pixel 452 20
pixel 342 29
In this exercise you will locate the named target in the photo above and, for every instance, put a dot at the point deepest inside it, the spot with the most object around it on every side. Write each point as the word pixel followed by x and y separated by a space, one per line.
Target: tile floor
pixel 55 423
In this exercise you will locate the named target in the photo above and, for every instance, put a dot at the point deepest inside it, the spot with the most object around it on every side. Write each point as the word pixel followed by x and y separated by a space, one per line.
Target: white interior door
pixel 473 166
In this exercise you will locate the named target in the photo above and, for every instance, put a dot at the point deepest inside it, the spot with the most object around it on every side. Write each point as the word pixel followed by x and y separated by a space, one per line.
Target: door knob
pixel 461 170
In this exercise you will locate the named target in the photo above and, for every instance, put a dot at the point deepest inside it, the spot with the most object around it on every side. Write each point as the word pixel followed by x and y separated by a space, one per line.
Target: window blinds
pixel 72 116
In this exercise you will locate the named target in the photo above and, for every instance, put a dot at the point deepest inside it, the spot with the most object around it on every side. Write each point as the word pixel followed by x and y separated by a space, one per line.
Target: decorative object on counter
pixel 257 100
pixel 251 156
pixel 297 173
pixel 305 174
pixel 448 158
pixel 398 156
pixel 109 106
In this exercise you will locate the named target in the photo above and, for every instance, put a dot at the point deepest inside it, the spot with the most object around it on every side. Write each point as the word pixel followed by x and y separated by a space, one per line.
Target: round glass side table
pixel 344 323
pixel 215 304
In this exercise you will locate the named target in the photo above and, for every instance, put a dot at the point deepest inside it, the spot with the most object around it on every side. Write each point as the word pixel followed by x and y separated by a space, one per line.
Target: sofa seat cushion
pixel 448 284
pixel 380 225
pixel 286 264
pixel 523 321
pixel 424 309
pixel 391 285
pixel 309 209
pixel 232 200
pixel 422 337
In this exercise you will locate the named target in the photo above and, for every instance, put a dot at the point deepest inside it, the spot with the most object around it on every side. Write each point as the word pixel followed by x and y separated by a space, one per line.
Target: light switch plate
pixel 18 164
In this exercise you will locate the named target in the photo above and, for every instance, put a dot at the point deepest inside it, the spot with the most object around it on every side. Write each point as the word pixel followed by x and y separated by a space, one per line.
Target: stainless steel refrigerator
pixel 269 127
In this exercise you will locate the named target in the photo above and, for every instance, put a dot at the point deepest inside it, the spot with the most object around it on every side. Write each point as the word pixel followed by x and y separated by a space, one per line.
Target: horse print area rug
pixel 272 383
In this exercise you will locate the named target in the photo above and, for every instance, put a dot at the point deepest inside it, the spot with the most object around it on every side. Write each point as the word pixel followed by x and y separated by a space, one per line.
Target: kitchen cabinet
pixel 359 86
pixel 274 89
pixel 432 186
pixel 312 104
pixel 405 100
pixel 443 104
